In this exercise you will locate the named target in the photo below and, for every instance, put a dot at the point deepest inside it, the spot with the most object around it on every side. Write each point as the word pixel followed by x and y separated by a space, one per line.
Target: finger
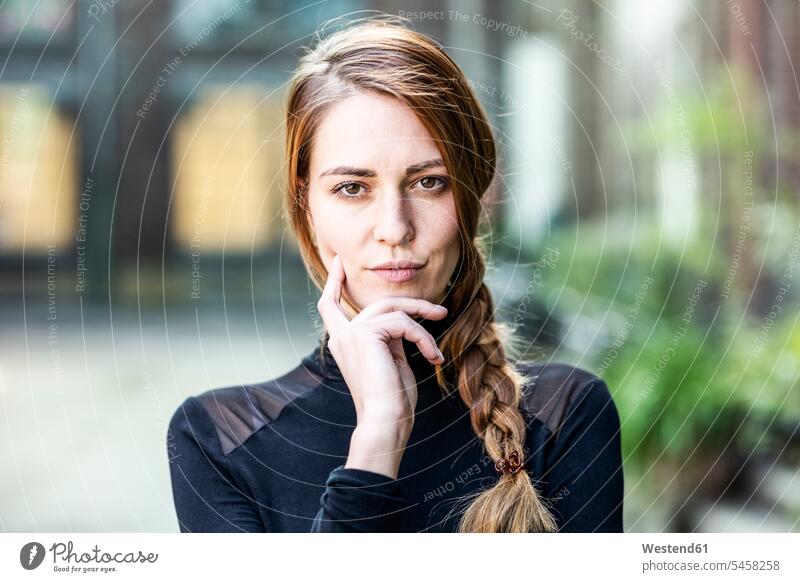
pixel 398 324
pixel 328 305
pixel 407 305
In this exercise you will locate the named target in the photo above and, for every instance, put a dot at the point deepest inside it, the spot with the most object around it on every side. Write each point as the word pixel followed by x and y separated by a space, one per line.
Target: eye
pixel 348 189
pixel 432 183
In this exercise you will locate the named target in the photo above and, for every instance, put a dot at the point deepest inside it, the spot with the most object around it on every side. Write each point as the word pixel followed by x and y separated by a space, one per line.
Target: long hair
pixel 385 56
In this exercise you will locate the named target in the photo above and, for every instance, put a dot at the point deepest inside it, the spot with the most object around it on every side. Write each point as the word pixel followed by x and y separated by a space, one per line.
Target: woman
pixel 408 416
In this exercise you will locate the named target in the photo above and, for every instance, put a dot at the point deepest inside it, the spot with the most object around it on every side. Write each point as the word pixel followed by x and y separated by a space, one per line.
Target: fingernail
pixel 441 355
pixel 441 308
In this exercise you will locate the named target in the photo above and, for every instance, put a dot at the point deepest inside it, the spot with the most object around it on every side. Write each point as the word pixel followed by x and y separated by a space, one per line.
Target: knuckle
pixel 391 302
pixel 403 316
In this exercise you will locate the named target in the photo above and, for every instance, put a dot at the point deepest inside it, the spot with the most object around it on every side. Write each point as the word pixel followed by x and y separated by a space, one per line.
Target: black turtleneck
pixel 269 457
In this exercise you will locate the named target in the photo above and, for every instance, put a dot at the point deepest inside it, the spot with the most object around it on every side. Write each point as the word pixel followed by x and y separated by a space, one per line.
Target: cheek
pixel 442 224
pixel 320 217
pixel 326 220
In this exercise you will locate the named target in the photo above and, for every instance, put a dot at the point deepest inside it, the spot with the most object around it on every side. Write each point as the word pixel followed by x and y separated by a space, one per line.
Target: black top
pixel 270 457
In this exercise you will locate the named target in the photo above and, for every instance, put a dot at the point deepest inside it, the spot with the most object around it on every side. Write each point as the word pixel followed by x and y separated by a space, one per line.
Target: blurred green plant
pixel 689 369
pixel 686 340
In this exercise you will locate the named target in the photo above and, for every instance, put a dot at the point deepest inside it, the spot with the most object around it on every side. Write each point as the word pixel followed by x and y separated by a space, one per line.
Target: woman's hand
pixel 369 352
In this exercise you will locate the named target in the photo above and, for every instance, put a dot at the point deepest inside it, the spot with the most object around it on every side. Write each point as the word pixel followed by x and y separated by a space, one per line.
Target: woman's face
pixel 379 191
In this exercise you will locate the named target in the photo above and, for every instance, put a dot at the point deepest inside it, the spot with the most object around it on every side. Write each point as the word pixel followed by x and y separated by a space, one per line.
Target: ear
pixel 311 228
pixel 310 222
pixel 301 186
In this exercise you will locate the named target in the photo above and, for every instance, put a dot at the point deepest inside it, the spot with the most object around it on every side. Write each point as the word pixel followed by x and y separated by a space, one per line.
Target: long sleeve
pixel 356 500
pixel 585 481
pixel 207 498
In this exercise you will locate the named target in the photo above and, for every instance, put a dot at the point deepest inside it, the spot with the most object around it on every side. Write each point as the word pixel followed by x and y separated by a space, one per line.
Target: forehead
pixel 372 131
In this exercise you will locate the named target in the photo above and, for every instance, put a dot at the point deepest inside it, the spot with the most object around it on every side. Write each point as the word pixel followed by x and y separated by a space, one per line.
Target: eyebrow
pixel 367 173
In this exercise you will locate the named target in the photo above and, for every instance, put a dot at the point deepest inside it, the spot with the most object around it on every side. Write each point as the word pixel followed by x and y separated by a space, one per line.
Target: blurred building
pixel 139 132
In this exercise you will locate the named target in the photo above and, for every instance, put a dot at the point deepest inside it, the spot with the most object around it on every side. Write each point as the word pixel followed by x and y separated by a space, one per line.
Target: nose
pixel 394 220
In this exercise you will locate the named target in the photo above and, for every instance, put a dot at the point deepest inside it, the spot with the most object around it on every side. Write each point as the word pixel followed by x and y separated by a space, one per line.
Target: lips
pixel 398 271
pixel 398 264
